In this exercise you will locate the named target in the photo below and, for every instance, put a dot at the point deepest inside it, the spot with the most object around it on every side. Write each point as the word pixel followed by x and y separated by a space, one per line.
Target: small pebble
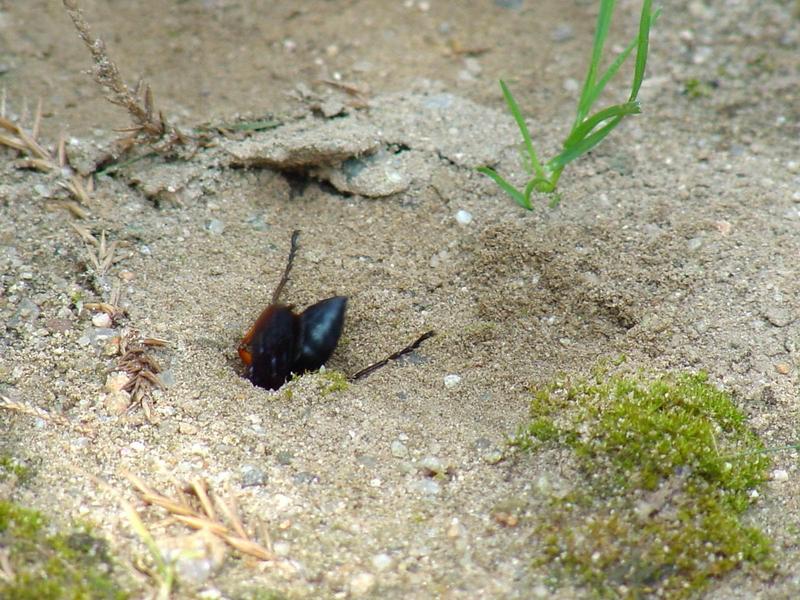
pixel 472 66
pixel 452 380
pixel 432 466
pixel 187 429
pixel 381 562
pixel 284 458
pixel 429 487
pixel 562 33
pixel 464 217
pixel 571 85
pixel 117 402
pixel 783 368
pixel 368 461
pixel 455 529
pixel 780 475
pixel 194 557
pixel 362 584
pixel 399 449
pixel 215 227
pixel 28 310
pixel 779 316
pixel 306 477
pixel 253 475
pixel 116 381
pixel 493 456
pixel 281 548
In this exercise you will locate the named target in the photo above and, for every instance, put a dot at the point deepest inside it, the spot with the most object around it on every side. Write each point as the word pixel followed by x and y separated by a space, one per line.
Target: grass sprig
pixel 588 129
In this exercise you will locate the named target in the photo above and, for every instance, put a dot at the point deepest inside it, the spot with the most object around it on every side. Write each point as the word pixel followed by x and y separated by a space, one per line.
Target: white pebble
pixel 381 561
pixel 464 217
pixel 429 487
pixel 362 584
pixel 101 320
pixel 570 85
pixel 452 380
pixel 399 449
pixel 215 227
pixel 780 475
pixel 432 465
pixel 281 548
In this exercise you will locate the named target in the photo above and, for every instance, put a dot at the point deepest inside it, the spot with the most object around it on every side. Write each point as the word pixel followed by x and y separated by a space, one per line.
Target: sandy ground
pixel 676 244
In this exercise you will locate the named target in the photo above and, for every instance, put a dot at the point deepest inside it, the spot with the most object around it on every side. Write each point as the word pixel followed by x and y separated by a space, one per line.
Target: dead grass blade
pixel 26 409
pixel 204 516
pixel 200 490
pixel 164 573
pixel 39 158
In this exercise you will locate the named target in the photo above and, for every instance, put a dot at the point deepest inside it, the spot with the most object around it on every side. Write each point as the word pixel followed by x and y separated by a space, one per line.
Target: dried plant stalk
pixel 34 411
pixel 149 125
pixel 204 518
pixel 40 159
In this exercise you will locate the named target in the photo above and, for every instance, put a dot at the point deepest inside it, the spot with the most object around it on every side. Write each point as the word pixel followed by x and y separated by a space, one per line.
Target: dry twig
pixel 163 575
pixel 27 409
pixel 205 516
pixel 41 159
pixel 149 125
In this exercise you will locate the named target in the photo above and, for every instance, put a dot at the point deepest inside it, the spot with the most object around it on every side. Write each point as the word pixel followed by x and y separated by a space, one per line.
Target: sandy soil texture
pixel 676 244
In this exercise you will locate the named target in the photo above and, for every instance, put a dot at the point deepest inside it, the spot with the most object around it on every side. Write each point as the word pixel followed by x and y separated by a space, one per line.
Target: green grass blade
pixel 523 128
pixel 582 147
pixel 642 49
pixel 509 189
pixel 600 35
pixel 585 128
pixel 609 73
pixel 644 29
pixel 539 184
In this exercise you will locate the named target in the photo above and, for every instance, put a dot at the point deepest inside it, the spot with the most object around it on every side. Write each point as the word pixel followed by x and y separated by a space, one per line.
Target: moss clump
pixel 10 467
pixel 694 88
pixel 334 381
pixel 669 467
pixel 52 566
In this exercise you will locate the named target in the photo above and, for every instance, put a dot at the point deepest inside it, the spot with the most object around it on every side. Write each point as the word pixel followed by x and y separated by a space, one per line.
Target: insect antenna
pixel 285 278
pixel 375 366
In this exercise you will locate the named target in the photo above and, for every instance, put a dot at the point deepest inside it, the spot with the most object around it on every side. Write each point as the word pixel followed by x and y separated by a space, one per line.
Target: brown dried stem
pixel 149 124
pixel 40 159
pixel 206 517
pixel 40 413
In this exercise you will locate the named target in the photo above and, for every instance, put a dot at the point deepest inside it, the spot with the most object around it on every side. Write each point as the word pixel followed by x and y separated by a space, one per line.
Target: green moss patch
pixel 52 566
pixel 11 467
pixel 335 381
pixel 669 467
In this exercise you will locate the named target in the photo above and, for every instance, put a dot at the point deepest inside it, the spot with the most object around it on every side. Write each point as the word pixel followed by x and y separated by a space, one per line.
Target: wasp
pixel 282 342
